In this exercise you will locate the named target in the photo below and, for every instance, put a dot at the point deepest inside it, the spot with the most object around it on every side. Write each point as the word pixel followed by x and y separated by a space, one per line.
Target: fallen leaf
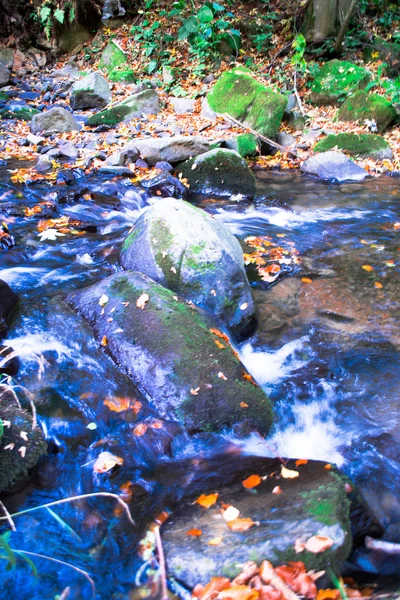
pixel 207 501
pixel 306 280
pixel 195 391
pixel 211 590
pixel 244 405
pixel 328 594
pixel 288 473
pixel 222 376
pixel 104 341
pixel 194 532
pixel 22 451
pixel 239 592
pixel 230 514
pixel 103 300
pixel 106 461
pixel 117 404
pixel 378 285
pixel 219 334
pixel 140 429
pixel 251 482
pixel 277 490
pixel 243 524
pixel 301 461
pixel 318 543
pixel 249 570
pixel 367 268
pixel 244 306
pixel 142 301
pixel 215 541
pixel 219 344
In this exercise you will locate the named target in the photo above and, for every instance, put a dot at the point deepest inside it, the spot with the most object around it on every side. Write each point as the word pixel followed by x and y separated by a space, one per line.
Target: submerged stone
pixel 221 172
pixel 188 251
pixel 239 95
pixel 314 503
pixel 333 166
pixel 142 103
pixel 335 80
pixel 362 106
pixel 92 91
pixel 166 347
pixel 363 144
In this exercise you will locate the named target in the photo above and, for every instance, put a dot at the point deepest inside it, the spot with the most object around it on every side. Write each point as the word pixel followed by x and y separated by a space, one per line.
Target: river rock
pixel 245 144
pixel 165 345
pixel 92 91
pixel 336 80
pixel 220 172
pixel 174 150
pixel 362 106
pixel 334 166
pixel 276 308
pixel 364 144
pixel 5 75
pixel 142 103
pixel 8 300
pixel 113 56
pixel 310 504
pixel 182 106
pixel 166 185
pixel 188 251
pixel 55 120
pixel 239 95
pixel 7 58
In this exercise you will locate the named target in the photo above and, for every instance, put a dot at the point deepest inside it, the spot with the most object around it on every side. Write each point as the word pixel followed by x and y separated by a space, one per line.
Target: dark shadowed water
pixel 331 367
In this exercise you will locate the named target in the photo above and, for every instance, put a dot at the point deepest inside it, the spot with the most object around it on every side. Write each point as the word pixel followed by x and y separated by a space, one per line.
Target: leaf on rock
pixel 318 543
pixel 251 482
pixel 230 514
pixel 103 300
pixel 328 594
pixel 207 501
pixel 142 301
pixel 367 268
pixel 106 461
pixel 288 473
pixel 104 341
pixel 140 429
pixel 117 404
pixel 301 461
pixel 194 532
pixel 239 525
pixel 211 590
pixel 239 592
pixel 277 490
pixel 215 541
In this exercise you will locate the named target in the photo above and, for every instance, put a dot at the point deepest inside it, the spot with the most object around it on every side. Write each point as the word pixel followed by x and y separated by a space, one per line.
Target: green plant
pixel 51 13
pixel 7 553
pixel 391 86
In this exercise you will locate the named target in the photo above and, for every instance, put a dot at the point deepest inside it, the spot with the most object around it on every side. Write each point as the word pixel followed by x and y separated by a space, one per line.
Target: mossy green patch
pixel 361 105
pixel 335 80
pixel 111 116
pixel 124 75
pixel 247 144
pixel 113 56
pixel 244 98
pixel 22 113
pixel 363 144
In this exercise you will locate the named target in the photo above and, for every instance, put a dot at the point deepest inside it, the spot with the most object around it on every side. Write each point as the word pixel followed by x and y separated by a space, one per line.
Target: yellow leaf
pixel 306 280
pixel 239 525
pixel 104 341
pixel 215 541
pixel 367 268
pixel 288 473
pixel 142 301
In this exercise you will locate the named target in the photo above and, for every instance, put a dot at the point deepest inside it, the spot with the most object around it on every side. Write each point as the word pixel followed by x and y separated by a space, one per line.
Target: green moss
pixel 124 75
pixel 22 113
pixel 247 144
pixel 364 144
pixel 244 98
pixel 335 80
pixel 361 106
pixel 131 238
pixel 112 57
pixel 111 116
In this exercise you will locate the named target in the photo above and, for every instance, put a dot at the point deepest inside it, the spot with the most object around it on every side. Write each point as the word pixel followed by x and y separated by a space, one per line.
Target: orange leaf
pixel 328 594
pixel 277 490
pixel 211 590
pixel 161 517
pixel 318 543
pixel 244 405
pixel 104 340
pixel 367 268
pixel 222 376
pixel 306 280
pixel 207 501
pixel 219 334
pixel 140 429
pixel 117 404
pixel 251 482
pixel 136 407
pixel 219 344
pixel 194 532
pixel 239 592
pixel 240 524
pixel 378 285
pixel 301 461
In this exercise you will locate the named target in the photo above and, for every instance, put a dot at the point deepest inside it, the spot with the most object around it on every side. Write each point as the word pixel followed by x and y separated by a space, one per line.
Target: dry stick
pixel 296 93
pixel 80 497
pixel 8 517
pixel 344 26
pixel 60 562
pixel 161 562
pixel 262 137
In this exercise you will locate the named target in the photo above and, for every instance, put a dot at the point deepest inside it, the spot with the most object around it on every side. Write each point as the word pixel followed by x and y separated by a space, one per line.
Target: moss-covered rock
pixel 335 80
pixel 92 91
pixel 167 348
pixel 220 172
pixel 362 105
pixel 363 144
pixel 241 96
pixel 17 455
pixel 333 166
pixel 189 252
pixel 121 74
pixel 22 113
pixel 113 56
pixel 145 102
pixel 314 503
pixel 245 144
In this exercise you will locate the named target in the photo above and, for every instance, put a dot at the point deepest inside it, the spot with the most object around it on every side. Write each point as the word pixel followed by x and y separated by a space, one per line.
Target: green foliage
pixel 299 47
pixel 391 86
pixel 50 14
pixel 10 555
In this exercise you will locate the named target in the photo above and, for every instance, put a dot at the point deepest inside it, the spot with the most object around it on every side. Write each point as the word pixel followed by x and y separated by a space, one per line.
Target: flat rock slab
pixel 167 347
pixel 313 503
pixel 333 166
pixel 174 150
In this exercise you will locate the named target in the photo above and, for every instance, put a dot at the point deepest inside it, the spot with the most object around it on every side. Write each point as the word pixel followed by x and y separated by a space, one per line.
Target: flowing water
pixel 331 366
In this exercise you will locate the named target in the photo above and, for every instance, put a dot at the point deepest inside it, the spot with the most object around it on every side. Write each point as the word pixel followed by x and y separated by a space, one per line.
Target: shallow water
pixel 332 370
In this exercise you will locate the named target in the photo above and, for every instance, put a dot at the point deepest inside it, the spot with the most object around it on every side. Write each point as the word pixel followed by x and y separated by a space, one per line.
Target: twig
pixel 383 546
pixel 8 517
pixel 161 562
pixel 80 497
pixel 60 562
pixel 254 132
pixel 296 93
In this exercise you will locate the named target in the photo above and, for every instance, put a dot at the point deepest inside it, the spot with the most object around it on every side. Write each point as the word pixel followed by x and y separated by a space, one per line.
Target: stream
pixel 326 352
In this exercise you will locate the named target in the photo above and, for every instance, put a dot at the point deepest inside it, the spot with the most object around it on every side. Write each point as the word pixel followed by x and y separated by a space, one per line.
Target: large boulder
pixel 196 256
pixel 174 150
pixel 72 39
pixel 283 513
pixel 220 172
pixel 171 352
pixel 245 144
pixel 239 95
pixel 113 56
pixel 8 300
pixel 142 103
pixel 92 91
pixel 336 80
pixel 333 166
pixel 361 106
pixel 363 144
pixel 55 120
pixel 5 75
pixel 7 58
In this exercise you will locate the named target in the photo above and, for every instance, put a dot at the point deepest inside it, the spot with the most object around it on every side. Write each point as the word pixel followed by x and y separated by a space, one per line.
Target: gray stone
pixel 92 91
pixel 68 150
pixel 166 346
pixel 5 76
pixel 191 253
pixel 34 139
pixel 182 106
pixel 206 111
pixel 221 172
pixel 70 71
pixel 71 40
pixel 137 105
pixel 296 120
pixel 129 154
pixel 173 150
pixel 115 170
pixel 44 163
pixel 7 58
pixel 285 139
pixel 8 301
pixel 334 166
pixel 314 503
pixel 55 120
pixel 113 56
